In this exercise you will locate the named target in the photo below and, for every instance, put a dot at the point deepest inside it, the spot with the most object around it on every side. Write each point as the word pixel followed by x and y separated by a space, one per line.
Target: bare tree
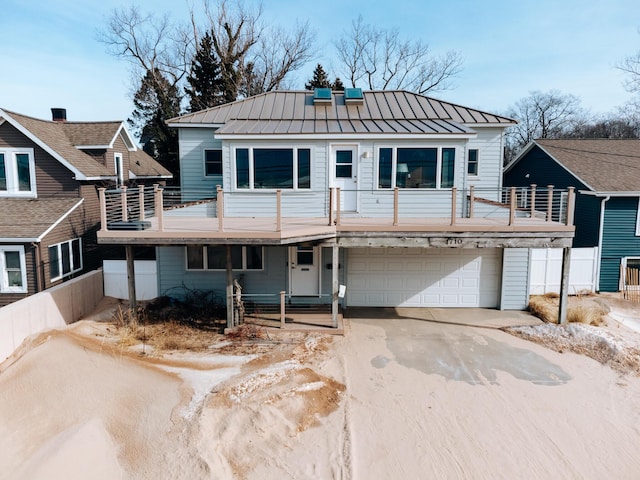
pixel 631 66
pixel 543 115
pixel 380 59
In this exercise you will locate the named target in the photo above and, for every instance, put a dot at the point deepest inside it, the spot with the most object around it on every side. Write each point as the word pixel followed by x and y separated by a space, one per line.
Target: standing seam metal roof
pixel 383 111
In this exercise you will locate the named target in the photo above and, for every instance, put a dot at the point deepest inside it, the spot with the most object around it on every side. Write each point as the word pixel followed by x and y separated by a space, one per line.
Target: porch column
pixel 335 284
pixel 230 319
pixel 131 279
pixel 564 285
pixel 103 208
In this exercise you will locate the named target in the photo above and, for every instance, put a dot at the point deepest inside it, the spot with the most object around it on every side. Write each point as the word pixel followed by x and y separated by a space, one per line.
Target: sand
pixel 75 405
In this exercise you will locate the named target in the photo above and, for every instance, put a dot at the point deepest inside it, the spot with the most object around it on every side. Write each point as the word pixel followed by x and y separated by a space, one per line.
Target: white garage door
pixel 423 277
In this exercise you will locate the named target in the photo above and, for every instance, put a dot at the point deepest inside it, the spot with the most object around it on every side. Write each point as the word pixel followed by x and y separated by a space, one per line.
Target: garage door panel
pixel 423 277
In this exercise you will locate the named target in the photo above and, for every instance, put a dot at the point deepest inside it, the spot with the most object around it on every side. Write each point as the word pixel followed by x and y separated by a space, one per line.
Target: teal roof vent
pixel 322 96
pixel 353 96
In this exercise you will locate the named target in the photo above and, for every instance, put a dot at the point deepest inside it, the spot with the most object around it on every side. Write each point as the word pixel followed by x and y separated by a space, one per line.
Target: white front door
pixel 345 171
pixel 304 263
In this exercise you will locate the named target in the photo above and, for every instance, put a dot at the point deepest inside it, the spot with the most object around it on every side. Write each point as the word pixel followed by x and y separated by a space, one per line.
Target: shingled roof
pixel 380 112
pixel 65 140
pixel 606 165
pixel 30 219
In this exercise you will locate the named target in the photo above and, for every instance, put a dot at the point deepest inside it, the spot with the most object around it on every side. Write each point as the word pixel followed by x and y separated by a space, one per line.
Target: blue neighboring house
pixel 606 175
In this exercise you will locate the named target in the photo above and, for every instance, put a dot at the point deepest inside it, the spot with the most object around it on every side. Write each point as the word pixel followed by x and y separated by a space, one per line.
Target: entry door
pixel 304 270
pixel 345 170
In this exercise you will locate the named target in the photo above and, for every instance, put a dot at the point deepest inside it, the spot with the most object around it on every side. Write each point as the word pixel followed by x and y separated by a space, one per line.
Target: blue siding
pixel 619 239
pixel 536 167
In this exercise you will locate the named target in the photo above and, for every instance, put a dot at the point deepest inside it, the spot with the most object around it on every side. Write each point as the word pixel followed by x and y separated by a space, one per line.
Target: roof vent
pixel 59 114
pixel 322 96
pixel 353 96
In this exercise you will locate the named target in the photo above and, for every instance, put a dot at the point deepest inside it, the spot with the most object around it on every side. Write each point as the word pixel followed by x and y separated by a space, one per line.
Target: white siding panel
pixel 116 284
pixel 423 277
pixel 546 270
pixel 515 277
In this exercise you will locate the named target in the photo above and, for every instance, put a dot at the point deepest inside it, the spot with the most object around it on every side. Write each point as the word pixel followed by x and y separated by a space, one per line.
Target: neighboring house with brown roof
pixel 606 175
pixel 49 210
pixel 395 195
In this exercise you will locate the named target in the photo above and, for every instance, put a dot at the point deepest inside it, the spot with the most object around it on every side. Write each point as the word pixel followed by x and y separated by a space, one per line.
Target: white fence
pixel 52 308
pixel 546 270
pixel 116 284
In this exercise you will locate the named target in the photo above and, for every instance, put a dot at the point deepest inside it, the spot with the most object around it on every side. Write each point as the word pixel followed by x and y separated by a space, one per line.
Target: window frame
pixel 476 162
pixel 204 161
pixel 72 270
pixel 4 272
pixel 205 259
pixel 394 165
pixel 251 167
pixel 11 172
pixel 118 167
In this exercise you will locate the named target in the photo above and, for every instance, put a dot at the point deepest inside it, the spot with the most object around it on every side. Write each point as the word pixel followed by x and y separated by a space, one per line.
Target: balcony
pixel 517 217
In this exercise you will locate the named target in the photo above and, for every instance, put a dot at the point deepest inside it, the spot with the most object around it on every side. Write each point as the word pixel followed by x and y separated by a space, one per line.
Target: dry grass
pixel 583 308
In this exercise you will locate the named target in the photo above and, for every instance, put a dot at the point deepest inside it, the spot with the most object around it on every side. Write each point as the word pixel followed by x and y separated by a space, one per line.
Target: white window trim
pixel 477 174
pixel 73 263
pixel 11 170
pixel 638 219
pixel 4 281
pixel 250 148
pixel 204 162
pixel 204 262
pixel 118 159
pixel 394 163
pixel 623 272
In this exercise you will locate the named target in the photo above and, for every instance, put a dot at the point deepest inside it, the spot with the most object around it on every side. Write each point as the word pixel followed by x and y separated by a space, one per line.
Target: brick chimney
pixel 59 114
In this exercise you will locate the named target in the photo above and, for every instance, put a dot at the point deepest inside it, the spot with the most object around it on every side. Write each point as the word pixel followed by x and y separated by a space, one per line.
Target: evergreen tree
pixel 321 80
pixel 156 101
pixel 205 80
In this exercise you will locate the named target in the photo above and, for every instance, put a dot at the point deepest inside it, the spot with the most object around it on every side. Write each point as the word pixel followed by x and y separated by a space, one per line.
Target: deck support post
pixel 220 208
pixel 283 317
pixel 278 210
pixel 103 208
pixel 159 207
pixel 454 198
pixel 550 203
pixel 131 281
pixel 533 200
pixel 337 205
pixel 564 285
pixel 141 201
pixel 395 206
pixel 571 204
pixel 229 270
pixel 512 205
pixel 123 203
pixel 335 282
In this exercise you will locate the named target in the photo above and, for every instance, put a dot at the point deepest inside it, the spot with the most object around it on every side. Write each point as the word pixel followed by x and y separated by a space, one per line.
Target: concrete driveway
pixel 444 393
pixel 456 344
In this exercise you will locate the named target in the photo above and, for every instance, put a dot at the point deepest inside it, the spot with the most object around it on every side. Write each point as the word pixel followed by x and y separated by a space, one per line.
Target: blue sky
pixel 510 48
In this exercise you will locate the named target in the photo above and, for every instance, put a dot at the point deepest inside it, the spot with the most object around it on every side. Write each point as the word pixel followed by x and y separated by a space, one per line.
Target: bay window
pixel 214 257
pixel 273 168
pixel 17 172
pixel 416 167
pixel 65 259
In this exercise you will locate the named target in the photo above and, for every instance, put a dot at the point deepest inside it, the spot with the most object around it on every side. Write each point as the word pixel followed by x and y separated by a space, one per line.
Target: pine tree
pixel 205 80
pixel 321 80
pixel 156 101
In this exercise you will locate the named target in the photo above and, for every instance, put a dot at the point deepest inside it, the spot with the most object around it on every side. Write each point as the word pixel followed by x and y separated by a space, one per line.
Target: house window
pixel 273 168
pixel 472 162
pixel 17 172
pixel 13 269
pixel 212 162
pixel 214 257
pixel 65 258
pixel 416 167
pixel 119 168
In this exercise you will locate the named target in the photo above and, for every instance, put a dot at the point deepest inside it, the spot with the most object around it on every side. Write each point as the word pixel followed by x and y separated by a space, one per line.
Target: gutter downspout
pixel 39 267
pixel 600 235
